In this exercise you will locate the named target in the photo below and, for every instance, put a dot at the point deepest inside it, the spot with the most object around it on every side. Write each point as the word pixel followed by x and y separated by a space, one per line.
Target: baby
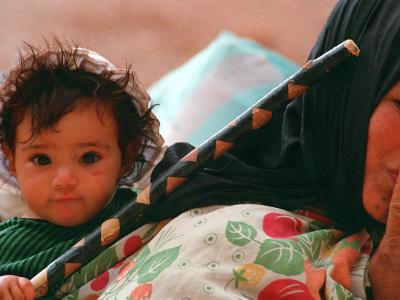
pixel 72 127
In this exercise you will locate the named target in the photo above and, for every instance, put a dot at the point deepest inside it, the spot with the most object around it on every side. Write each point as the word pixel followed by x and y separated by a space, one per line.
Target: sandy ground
pixel 159 35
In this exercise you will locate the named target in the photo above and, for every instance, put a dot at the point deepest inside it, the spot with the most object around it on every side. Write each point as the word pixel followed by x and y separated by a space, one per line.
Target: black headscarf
pixel 314 150
pixel 335 113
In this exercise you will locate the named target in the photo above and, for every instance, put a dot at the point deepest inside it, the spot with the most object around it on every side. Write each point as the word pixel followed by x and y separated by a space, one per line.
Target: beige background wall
pixel 158 35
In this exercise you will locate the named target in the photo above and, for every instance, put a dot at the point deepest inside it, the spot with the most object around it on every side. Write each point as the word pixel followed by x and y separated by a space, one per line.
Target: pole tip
pixel 40 284
pixel 351 47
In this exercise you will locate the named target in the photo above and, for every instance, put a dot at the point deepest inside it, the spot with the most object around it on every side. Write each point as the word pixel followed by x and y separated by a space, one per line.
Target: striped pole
pixel 130 217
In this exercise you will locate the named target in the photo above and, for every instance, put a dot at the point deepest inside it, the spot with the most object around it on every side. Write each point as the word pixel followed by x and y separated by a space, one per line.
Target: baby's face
pixel 68 173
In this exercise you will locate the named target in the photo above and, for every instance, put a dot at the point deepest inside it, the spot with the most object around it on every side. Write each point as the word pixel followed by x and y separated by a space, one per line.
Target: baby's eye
pixel 41 160
pixel 89 158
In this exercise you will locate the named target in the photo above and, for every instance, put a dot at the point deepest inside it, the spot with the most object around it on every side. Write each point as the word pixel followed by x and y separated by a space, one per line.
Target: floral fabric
pixel 242 251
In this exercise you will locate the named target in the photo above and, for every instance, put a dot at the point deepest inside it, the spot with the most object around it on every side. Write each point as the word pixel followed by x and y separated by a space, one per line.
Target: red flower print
pixel 142 292
pixel 125 269
pixel 100 282
pixel 277 225
pixel 285 289
pixel 132 244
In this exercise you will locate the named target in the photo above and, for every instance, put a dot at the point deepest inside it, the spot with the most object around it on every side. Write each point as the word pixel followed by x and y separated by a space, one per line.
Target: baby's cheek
pixel 100 177
pixel 33 184
pixel 106 181
pixel 107 173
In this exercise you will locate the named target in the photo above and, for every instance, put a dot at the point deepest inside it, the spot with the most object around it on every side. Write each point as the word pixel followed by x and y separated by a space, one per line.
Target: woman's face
pixel 382 164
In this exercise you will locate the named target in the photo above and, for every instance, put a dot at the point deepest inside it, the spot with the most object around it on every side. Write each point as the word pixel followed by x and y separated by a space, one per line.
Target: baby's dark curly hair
pixel 50 82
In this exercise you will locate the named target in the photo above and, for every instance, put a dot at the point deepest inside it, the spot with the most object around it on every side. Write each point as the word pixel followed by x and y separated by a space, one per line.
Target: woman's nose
pixel 64 179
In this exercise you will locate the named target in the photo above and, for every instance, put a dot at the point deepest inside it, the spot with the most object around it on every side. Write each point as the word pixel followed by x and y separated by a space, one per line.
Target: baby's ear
pixel 10 158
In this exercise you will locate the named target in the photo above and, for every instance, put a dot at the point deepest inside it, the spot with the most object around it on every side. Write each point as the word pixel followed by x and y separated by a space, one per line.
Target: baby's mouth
pixel 65 198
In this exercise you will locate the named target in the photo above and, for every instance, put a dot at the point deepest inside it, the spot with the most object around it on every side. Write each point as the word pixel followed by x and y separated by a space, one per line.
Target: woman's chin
pixel 378 212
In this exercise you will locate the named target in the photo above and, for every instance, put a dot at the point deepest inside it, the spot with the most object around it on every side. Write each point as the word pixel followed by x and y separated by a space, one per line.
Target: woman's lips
pixel 394 174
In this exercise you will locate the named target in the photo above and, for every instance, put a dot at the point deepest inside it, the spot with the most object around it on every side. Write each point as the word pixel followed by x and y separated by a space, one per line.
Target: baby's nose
pixel 65 178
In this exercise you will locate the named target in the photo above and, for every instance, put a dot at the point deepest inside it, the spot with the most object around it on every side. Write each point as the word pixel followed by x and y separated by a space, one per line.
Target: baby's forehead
pixel 88 111
pixel 49 112
pixel 86 124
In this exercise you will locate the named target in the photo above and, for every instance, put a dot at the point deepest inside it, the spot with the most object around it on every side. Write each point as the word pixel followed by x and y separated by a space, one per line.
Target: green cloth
pixel 27 246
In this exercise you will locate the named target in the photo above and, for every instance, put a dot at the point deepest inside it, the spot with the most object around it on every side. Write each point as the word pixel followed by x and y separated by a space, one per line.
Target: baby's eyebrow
pixel 96 144
pixel 36 147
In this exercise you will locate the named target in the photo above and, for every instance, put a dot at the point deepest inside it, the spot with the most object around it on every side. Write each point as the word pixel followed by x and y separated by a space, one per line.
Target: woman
pixel 337 147
pixel 351 142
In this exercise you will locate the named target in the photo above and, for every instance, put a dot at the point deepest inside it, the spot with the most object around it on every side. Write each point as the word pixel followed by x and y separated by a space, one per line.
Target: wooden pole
pixel 130 217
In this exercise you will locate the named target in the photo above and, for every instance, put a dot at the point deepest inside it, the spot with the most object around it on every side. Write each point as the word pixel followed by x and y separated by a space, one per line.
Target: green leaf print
pixel 140 260
pixel 311 243
pixel 281 256
pixel 240 233
pixel 149 233
pixel 341 293
pixel 239 277
pixel 322 262
pixel 316 225
pixel 157 263
pixel 72 296
pixel 101 263
pixel 143 254
pixel 67 289
pixel 352 244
